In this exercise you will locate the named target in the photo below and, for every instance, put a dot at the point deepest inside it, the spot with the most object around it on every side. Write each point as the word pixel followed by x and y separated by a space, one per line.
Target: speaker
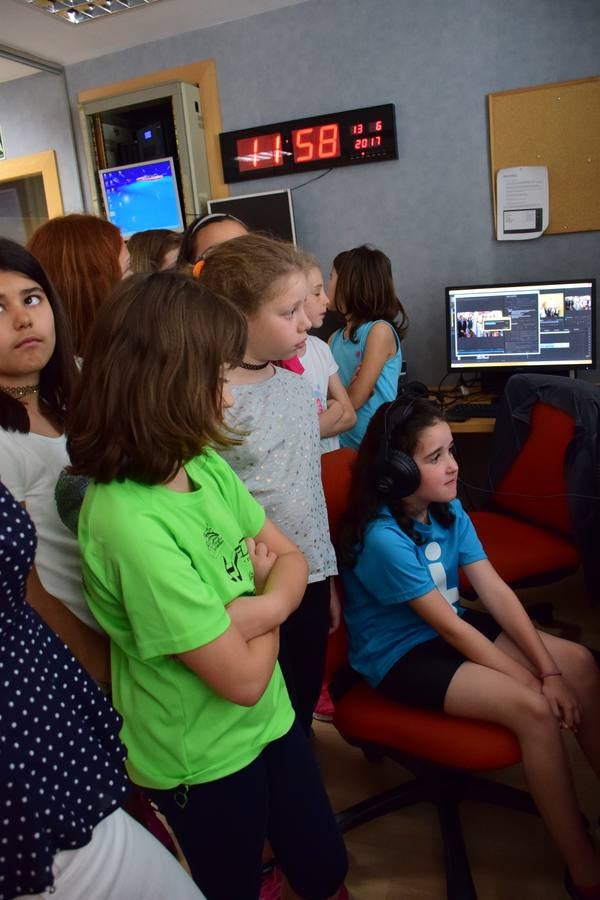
pixel 397 474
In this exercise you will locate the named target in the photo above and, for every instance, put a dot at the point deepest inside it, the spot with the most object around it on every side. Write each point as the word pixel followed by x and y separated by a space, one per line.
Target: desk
pixel 472 443
pixel 473 426
pixel 469 426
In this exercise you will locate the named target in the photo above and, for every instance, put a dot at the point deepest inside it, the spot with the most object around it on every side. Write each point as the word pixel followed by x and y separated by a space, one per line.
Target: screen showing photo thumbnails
pixel 544 325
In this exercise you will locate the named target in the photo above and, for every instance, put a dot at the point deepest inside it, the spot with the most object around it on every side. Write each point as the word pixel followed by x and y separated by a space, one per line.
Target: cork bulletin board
pixel 558 126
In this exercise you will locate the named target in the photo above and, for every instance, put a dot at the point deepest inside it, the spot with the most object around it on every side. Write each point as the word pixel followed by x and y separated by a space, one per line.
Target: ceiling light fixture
pixel 75 12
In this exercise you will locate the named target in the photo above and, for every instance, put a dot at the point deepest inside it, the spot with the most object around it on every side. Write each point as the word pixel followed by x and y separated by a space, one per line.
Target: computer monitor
pixel 142 196
pixel 269 211
pixel 543 325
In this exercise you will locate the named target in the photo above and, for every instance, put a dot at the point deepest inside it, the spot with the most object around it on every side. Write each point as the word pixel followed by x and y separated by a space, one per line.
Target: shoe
pixel 324 708
pixel 270 886
pixel 579 893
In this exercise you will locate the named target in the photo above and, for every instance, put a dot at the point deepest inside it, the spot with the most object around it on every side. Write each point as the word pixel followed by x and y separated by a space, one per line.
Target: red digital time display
pixel 318 142
pixel 284 148
pixel 261 152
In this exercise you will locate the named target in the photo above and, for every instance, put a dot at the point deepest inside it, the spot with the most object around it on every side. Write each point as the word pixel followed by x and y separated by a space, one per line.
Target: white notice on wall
pixel 522 209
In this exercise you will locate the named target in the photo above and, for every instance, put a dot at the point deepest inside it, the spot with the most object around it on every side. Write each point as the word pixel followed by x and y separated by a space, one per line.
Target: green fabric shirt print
pixel 159 569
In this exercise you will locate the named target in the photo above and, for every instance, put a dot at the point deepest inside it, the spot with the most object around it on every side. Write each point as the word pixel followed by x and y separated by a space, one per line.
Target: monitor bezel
pixel 218 204
pixel 514 366
pixel 147 162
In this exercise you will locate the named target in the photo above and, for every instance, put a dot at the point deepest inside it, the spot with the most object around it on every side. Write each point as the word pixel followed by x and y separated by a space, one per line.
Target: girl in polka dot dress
pixel 62 780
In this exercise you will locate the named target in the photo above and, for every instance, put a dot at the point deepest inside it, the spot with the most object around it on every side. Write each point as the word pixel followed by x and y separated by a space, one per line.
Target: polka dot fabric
pixel 61 761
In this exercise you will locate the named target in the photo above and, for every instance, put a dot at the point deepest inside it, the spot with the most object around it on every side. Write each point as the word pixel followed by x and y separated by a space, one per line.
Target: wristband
pixel 549 674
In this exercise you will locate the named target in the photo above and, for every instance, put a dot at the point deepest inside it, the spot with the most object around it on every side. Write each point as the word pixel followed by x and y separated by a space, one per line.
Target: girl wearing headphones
pixel 206 232
pixel 404 538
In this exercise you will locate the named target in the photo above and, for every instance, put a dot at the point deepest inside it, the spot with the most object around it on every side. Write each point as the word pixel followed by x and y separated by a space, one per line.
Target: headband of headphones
pixel 395 415
pixel 396 473
pixel 214 217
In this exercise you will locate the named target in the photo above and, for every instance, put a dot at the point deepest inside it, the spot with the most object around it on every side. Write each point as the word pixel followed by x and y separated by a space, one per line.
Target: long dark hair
pixel 365 500
pixel 149 397
pixel 365 289
pixel 59 375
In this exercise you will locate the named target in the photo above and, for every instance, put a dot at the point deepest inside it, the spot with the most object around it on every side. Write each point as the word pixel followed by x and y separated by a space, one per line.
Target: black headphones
pixel 396 473
pixel 203 221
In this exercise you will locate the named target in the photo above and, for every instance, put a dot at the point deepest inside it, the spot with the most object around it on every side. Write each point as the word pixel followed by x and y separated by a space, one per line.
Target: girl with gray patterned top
pixel 279 459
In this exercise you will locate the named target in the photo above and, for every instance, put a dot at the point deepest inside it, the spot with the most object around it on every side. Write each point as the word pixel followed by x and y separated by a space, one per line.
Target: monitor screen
pixel 142 196
pixel 537 325
pixel 270 212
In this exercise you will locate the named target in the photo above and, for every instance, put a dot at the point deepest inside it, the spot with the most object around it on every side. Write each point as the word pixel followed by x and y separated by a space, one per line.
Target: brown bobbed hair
pixel 149 397
pixel 59 375
pixel 365 289
pixel 247 270
pixel 365 500
pixel 148 249
pixel 80 253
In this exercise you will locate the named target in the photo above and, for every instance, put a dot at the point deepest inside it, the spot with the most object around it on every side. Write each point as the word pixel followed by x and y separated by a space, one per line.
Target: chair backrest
pixel 336 472
pixel 534 488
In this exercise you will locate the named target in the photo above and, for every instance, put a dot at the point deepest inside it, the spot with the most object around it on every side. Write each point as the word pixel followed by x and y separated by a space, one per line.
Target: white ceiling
pixel 25 27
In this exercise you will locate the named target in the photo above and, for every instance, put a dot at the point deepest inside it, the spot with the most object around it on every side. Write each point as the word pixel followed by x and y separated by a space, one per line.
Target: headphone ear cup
pixel 404 473
pixel 397 476
pixel 384 480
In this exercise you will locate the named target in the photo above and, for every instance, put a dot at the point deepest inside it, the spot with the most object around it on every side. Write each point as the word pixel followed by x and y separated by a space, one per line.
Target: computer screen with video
pixel 538 325
pixel 142 196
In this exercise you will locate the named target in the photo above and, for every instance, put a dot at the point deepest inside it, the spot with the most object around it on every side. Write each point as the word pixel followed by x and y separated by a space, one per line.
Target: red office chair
pixel 527 532
pixel 441 751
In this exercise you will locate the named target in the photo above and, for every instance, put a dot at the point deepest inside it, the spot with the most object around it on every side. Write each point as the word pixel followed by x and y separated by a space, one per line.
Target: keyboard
pixel 460 412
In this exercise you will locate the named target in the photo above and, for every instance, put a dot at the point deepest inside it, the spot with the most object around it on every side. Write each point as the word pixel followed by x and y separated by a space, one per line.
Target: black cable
pixel 310 180
pixel 500 493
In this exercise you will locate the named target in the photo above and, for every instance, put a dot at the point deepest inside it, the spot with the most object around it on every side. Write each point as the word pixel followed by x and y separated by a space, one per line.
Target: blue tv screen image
pixel 142 196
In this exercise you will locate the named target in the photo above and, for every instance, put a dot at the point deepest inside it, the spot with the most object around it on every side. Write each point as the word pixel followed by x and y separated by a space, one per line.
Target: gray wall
pixel 431 210
pixel 34 116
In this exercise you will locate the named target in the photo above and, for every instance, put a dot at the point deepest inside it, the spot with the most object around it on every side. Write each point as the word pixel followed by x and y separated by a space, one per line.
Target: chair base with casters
pixel 442 752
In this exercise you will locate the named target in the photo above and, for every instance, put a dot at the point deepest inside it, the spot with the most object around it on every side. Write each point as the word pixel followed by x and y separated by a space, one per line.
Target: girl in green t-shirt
pixel 191 582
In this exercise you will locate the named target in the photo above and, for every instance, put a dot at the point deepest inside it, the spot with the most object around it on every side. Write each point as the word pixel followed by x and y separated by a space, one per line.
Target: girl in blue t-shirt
pixel 367 350
pixel 405 535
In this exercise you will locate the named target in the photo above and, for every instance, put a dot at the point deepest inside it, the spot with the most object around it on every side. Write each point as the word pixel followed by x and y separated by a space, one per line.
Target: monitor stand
pixel 494 382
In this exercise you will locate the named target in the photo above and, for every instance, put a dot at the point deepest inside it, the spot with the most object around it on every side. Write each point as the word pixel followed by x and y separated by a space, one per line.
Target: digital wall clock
pixel 319 142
